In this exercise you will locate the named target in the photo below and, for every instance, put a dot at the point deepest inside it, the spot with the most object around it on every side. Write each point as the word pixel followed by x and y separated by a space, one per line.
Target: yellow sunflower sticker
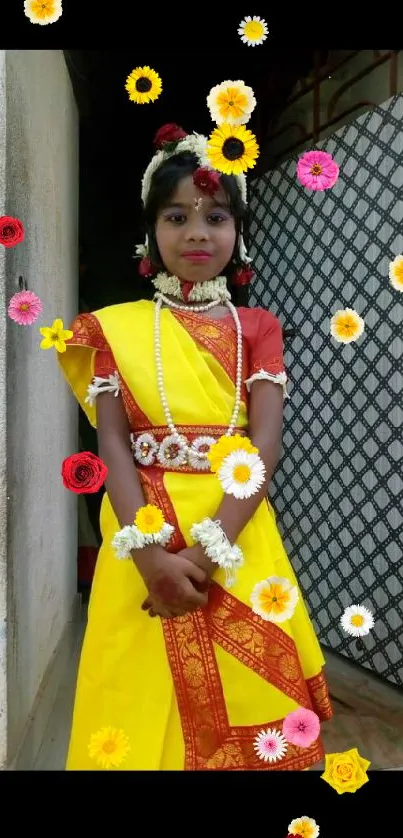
pixel 143 85
pixel 232 149
pixel 109 747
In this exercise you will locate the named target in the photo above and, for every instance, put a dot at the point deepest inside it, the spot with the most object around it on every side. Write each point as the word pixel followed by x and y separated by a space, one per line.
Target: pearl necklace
pixel 160 375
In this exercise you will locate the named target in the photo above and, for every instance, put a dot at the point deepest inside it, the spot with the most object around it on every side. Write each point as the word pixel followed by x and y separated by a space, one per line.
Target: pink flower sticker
pixel 24 308
pixel 317 170
pixel 301 727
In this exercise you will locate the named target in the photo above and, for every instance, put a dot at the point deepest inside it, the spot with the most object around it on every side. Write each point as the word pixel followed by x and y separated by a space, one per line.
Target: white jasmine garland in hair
pixel 195 143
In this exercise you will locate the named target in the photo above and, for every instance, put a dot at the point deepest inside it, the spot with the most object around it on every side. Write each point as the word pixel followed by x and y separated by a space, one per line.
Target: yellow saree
pixel 190 693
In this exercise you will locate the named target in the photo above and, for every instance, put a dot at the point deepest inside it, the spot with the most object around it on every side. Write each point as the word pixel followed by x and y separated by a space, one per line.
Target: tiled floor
pixel 368 716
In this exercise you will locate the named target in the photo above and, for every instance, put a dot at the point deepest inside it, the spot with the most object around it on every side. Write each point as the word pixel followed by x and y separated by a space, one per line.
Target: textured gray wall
pixel 339 490
pixel 41 190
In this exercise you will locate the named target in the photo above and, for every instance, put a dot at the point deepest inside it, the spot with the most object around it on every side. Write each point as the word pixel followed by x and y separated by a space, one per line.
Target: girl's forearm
pixel 234 514
pixel 123 483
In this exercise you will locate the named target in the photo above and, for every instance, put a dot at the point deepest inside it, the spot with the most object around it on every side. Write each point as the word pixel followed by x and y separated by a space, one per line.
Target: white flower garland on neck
pixel 211 289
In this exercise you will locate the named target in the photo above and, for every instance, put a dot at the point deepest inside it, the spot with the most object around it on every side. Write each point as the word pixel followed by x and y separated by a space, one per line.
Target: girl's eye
pixel 176 218
pixel 216 218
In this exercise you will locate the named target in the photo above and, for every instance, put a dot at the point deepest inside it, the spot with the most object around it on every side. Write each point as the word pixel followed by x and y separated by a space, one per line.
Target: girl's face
pixel 195 233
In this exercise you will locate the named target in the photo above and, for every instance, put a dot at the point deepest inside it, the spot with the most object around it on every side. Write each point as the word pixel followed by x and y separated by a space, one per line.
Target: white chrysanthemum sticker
pixel 396 272
pixel 274 599
pixel 346 326
pixel 231 102
pixel 43 11
pixel 304 826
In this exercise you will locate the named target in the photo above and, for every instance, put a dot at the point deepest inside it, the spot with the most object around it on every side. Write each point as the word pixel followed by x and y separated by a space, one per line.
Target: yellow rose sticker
pixel 346 771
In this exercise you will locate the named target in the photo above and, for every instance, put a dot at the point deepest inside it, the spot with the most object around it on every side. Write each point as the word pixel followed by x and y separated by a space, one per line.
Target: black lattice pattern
pixel 338 491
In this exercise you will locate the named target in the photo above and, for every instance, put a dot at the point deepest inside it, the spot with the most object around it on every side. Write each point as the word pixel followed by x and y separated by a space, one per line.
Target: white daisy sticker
pixel 270 745
pixel 274 599
pixel 304 826
pixel 241 474
pixel 357 620
pixel 253 31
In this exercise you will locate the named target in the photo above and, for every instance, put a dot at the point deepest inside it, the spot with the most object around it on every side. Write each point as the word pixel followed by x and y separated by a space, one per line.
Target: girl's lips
pixel 196 256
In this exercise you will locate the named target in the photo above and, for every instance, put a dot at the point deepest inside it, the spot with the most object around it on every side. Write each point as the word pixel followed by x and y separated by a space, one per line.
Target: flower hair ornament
pixel 170 140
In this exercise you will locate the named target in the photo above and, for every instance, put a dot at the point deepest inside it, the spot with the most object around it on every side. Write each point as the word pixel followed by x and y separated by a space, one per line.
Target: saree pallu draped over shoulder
pixel 191 693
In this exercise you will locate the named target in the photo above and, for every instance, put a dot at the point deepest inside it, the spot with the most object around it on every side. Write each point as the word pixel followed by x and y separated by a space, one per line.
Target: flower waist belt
pixel 159 448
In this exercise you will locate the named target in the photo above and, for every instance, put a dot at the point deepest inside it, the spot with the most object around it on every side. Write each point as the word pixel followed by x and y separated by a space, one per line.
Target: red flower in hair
pixel 206 179
pixel 169 133
pixel 243 276
pixel 146 267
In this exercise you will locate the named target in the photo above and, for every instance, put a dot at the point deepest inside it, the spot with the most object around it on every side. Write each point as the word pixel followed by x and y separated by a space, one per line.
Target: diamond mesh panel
pixel 338 490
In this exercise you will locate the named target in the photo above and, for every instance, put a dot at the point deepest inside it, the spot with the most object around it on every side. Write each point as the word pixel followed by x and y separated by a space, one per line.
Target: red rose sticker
pixel 83 473
pixel 206 179
pixel 169 133
pixel 11 231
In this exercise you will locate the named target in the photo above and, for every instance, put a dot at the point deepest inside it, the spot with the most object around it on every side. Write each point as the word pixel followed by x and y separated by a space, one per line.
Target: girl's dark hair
pixel 164 182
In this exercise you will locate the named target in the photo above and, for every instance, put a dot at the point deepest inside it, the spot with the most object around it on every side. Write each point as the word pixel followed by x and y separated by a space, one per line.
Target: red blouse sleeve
pixel 267 348
pixel 104 363
pixel 266 351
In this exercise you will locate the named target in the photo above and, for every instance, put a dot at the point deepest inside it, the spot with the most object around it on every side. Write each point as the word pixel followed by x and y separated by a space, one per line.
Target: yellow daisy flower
pixel 346 326
pixel 274 599
pixel 43 11
pixel 143 85
pixel 253 31
pixel 396 272
pixel 232 149
pixel 149 519
pixel 55 335
pixel 304 826
pixel 231 102
pixel 226 445
pixel 109 747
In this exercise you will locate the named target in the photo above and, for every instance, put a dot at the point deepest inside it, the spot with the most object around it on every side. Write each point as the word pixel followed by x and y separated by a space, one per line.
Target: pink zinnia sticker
pixel 301 727
pixel 24 308
pixel 317 170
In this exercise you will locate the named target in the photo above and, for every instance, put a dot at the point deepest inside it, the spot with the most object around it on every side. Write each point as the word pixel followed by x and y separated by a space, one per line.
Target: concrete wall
pixel 41 190
pixel 3 455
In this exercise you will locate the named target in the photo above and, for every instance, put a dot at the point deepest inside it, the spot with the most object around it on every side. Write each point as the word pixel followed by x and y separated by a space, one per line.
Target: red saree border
pixel 87 331
pixel 210 742
pixel 220 340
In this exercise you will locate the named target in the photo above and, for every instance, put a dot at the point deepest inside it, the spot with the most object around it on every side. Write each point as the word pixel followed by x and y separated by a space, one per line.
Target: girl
pixel 178 670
